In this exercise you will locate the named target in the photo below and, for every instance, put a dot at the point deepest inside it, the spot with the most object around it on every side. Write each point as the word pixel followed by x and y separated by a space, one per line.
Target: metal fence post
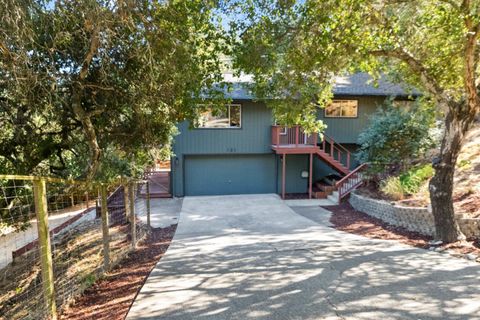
pixel 132 214
pixel 148 204
pixel 41 211
pixel 105 231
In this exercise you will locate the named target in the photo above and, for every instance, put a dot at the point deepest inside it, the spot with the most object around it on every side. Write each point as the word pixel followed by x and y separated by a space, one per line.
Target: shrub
pixel 397 135
pixel 393 188
pixel 408 183
pixel 413 179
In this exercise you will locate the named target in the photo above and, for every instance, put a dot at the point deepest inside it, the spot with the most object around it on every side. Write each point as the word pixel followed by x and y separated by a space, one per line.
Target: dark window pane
pixel 235 116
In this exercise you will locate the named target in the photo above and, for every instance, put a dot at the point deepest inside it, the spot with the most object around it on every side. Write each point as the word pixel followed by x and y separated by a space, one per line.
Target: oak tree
pixel 295 48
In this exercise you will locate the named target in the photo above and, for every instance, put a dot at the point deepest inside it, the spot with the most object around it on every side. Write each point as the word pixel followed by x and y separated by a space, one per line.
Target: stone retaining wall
pixel 411 218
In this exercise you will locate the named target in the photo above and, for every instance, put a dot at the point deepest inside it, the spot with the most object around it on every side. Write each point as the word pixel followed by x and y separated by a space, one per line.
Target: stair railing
pixel 335 150
pixel 350 182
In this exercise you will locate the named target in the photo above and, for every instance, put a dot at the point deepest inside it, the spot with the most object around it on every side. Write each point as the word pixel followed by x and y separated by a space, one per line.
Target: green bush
pixel 413 179
pixel 408 183
pixel 397 135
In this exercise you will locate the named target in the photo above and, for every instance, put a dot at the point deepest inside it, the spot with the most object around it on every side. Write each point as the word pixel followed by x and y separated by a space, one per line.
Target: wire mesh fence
pixel 58 236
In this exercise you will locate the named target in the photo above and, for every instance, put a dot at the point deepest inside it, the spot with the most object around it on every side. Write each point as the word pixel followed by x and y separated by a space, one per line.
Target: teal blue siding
pixel 228 161
pixel 346 130
pixel 253 137
pixel 294 183
pixel 229 174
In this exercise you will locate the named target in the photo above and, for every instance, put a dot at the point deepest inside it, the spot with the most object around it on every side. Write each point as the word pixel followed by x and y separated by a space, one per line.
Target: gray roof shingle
pixel 358 84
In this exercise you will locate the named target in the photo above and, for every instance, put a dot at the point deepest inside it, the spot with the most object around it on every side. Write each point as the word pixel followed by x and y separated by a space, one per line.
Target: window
pixel 405 104
pixel 229 116
pixel 342 109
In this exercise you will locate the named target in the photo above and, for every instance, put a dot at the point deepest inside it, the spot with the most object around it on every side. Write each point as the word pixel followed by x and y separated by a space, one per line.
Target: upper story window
pixel 342 109
pixel 406 104
pixel 228 116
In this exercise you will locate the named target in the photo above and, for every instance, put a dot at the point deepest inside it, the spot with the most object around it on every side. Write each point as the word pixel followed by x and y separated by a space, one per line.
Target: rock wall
pixel 416 219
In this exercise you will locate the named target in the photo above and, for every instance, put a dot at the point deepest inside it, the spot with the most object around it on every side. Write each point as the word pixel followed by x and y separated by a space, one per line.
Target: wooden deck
pixel 294 149
pixel 294 140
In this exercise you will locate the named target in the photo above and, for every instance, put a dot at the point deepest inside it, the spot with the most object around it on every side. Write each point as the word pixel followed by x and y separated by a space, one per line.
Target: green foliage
pixel 464 164
pixel 91 88
pixel 89 280
pixel 408 183
pixel 396 135
pixel 294 49
pixel 413 179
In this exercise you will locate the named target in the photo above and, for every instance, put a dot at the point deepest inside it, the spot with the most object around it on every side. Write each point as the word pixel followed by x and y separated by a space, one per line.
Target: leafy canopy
pixel 93 87
pixel 294 49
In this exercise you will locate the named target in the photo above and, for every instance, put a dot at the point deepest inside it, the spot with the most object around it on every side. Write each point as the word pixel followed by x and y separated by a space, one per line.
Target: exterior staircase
pixel 334 154
pixel 350 182
pixel 334 197
pixel 335 164
pixel 294 140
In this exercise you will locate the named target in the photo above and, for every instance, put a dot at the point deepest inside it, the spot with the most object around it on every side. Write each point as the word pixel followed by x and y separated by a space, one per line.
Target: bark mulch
pixel 346 218
pixel 111 297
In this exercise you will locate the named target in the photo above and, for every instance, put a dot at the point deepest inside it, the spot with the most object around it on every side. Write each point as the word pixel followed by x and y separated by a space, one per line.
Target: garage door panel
pixel 235 174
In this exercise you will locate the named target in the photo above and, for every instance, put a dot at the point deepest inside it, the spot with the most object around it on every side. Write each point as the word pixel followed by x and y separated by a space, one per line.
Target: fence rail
pixel 57 236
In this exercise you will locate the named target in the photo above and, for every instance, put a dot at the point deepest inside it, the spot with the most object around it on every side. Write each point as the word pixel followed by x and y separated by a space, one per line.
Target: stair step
pixel 320 195
pixel 333 199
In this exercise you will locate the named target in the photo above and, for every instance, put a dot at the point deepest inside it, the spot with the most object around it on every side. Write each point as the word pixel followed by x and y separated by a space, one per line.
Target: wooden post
pixel 284 160
pixel 132 215
pixel 87 200
pixel 310 178
pixel 296 135
pixel 41 211
pixel 105 230
pixel 126 197
pixel 148 203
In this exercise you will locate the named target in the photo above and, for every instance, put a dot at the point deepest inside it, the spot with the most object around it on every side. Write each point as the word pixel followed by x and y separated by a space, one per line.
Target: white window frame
pixel 230 127
pixel 340 116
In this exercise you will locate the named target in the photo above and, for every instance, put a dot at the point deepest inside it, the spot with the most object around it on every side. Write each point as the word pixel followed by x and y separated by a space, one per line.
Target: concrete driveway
pixel 253 257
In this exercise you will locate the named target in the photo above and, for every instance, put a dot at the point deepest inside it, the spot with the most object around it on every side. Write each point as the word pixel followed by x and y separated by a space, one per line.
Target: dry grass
pixel 77 258
pixel 467 176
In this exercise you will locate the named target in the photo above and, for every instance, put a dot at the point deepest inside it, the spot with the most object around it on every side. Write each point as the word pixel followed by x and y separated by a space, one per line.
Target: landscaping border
pixel 417 219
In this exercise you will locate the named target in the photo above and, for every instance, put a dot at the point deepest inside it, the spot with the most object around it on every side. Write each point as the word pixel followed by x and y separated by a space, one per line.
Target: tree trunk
pixel 441 185
pixel 90 135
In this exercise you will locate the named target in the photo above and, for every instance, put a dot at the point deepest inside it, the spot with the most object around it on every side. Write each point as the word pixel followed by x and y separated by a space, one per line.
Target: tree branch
pixel 417 67
pixel 81 114
pixel 471 59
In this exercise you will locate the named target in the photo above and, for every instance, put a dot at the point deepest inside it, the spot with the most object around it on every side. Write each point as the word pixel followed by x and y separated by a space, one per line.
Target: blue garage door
pixel 232 174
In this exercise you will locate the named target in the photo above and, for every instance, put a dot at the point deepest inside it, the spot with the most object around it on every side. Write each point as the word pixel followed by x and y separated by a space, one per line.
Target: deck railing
pixel 292 136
